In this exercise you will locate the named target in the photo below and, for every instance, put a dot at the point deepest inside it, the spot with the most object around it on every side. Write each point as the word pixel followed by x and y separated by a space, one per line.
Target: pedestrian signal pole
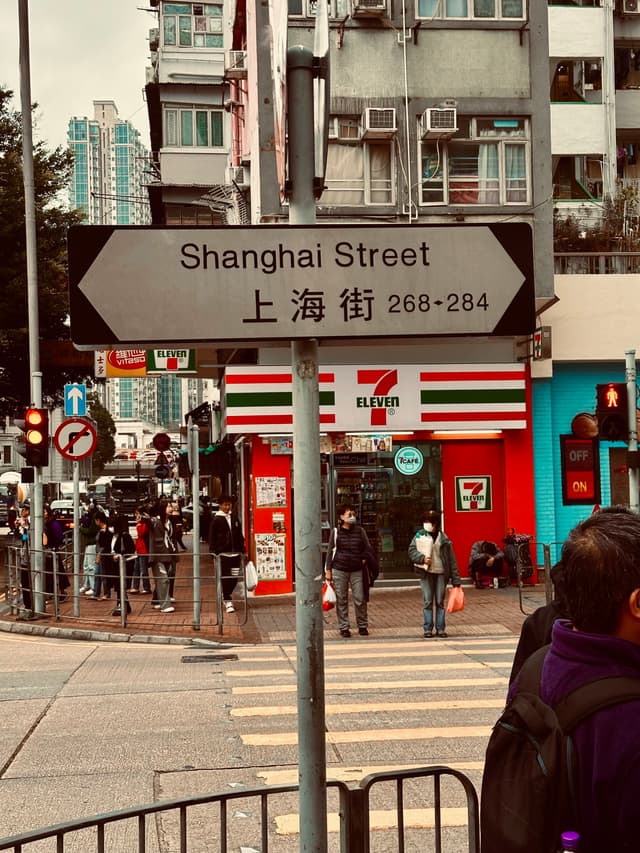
pixel 632 467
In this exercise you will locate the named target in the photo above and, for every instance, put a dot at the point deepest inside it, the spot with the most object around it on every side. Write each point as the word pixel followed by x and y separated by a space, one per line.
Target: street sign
pixel 269 283
pixel 163 472
pixel 76 438
pixel 161 441
pixel 75 400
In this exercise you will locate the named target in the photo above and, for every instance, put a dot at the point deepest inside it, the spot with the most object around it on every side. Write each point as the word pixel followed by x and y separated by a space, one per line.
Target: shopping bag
pixel 455 601
pixel 328 596
pixel 250 576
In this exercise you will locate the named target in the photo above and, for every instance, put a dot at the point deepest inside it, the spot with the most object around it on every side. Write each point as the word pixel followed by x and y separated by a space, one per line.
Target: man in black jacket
pixel 226 537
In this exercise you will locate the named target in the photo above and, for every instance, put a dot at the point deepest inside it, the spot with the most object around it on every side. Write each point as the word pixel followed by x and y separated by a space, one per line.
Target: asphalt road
pixel 92 727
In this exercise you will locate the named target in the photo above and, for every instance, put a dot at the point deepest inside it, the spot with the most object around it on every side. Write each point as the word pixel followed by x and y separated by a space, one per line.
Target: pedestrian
pixel 485 563
pixel 88 534
pixel 537 627
pixel 122 545
pixel 104 559
pixel 53 540
pixel 226 538
pixel 205 518
pixel 601 640
pixel 434 561
pixel 140 582
pixel 177 525
pixel 160 554
pixel 22 533
pixel 345 566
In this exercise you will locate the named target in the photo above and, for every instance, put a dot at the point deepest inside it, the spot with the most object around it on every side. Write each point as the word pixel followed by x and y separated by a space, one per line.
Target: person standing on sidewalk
pixel 140 581
pixel 434 561
pixel 161 553
pixel 344 566
pixel 88 533
pixel 226 537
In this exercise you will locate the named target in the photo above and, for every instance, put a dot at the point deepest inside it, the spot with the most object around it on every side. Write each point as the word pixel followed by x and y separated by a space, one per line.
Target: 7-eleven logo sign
pixel 381 402
pixel 473 494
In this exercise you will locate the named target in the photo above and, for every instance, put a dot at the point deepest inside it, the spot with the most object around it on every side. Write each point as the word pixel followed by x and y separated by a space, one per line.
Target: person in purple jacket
pixel 601 561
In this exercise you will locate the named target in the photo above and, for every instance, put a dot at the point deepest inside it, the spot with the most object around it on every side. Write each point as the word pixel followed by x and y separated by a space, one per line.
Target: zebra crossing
pixel 388 705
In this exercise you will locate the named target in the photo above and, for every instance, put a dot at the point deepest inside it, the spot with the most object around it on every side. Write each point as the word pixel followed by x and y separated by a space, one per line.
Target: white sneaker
pixel 157 606
pixel 89 591
pixel 168 609
pixel 228 606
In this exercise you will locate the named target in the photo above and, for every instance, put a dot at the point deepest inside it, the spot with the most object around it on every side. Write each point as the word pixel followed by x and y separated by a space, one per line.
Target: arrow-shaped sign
pixel 247 285
pixel 75 399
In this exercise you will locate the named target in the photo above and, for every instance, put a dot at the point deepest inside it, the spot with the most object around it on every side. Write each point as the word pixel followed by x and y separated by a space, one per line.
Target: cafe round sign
pixel 408 460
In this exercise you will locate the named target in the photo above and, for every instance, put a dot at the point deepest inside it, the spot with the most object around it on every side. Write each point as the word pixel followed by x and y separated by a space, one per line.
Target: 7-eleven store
pixel 394 441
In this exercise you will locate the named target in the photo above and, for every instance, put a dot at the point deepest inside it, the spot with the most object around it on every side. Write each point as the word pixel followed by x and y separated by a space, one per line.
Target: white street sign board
pixel 76 438
pixel 75 399
pixel 146 285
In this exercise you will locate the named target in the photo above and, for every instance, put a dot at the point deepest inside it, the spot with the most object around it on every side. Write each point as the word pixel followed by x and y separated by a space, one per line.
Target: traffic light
pixel 34 444
pixel 612 411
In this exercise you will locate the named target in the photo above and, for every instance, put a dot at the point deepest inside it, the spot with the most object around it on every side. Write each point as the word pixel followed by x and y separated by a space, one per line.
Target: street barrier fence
pixel 207 823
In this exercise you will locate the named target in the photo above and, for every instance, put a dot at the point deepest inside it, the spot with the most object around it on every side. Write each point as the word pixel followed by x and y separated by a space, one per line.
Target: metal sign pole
pixel 632 394
pixel 76 538
pixel 312 774
pixel 193 434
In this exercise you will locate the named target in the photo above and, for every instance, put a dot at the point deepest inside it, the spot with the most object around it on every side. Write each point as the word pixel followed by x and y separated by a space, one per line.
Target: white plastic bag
pixel 328 596
pixel 251 576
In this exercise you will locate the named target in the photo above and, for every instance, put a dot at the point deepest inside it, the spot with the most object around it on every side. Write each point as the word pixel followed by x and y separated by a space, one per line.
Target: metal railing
pixel 205 823
pixel 59 563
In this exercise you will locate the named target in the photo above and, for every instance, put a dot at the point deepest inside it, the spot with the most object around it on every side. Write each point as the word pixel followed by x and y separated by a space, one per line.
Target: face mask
pixel 428 526
pixel 350 519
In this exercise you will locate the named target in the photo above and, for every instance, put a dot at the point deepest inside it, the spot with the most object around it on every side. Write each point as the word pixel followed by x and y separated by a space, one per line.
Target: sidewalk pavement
pixel 395 612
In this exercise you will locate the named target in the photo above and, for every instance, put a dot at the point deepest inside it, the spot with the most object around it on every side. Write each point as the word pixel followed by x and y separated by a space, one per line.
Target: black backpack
pixel 528 797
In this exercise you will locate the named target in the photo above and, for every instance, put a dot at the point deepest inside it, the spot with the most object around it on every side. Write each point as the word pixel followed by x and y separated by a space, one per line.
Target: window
pixel 192 25
pixel 578 177
pixel 471 9
pixel 577 81
pixel 307 8
pixel 359 174
pixel 191 127
pixel 485 163
pixel 184 214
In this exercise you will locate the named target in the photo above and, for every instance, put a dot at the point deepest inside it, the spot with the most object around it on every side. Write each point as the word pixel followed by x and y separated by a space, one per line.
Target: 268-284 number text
pixel 410 302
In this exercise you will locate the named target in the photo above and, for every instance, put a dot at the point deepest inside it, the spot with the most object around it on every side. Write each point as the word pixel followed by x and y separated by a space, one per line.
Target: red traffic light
pixel 612 411
pixel 35 445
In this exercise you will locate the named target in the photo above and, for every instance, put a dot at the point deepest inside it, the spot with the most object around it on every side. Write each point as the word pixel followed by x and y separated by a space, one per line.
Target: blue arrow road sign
pixel 75 400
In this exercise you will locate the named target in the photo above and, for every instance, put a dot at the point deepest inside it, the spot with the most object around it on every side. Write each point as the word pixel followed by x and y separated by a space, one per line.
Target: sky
pixel 80 51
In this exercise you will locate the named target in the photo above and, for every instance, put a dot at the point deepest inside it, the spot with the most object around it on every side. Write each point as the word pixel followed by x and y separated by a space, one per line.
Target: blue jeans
pixel 140 577
pixel 433 587
pixel 89 566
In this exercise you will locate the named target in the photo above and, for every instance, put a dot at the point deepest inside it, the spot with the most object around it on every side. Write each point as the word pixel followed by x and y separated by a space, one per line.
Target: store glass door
pixel 388 504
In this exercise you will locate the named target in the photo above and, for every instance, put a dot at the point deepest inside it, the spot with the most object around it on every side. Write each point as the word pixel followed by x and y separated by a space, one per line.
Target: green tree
pixel 51 175
pixel 106 430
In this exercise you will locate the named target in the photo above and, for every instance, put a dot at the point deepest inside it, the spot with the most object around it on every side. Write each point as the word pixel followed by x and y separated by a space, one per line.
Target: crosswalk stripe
pixel 361 707
pixel 406 684
pixel 414 667
pixel 263 739
pixel 289 824
pixel 355 774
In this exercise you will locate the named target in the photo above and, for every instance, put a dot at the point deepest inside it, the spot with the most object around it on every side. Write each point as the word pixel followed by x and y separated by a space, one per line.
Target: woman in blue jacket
pixel 434 561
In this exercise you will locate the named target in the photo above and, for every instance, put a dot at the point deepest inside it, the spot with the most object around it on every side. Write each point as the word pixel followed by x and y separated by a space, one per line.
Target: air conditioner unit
pixel 438 122
pixel 237 175
pixel 369 8
pixel 154 39
pixel 235 64
pixel 379 123
pixel 631 7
